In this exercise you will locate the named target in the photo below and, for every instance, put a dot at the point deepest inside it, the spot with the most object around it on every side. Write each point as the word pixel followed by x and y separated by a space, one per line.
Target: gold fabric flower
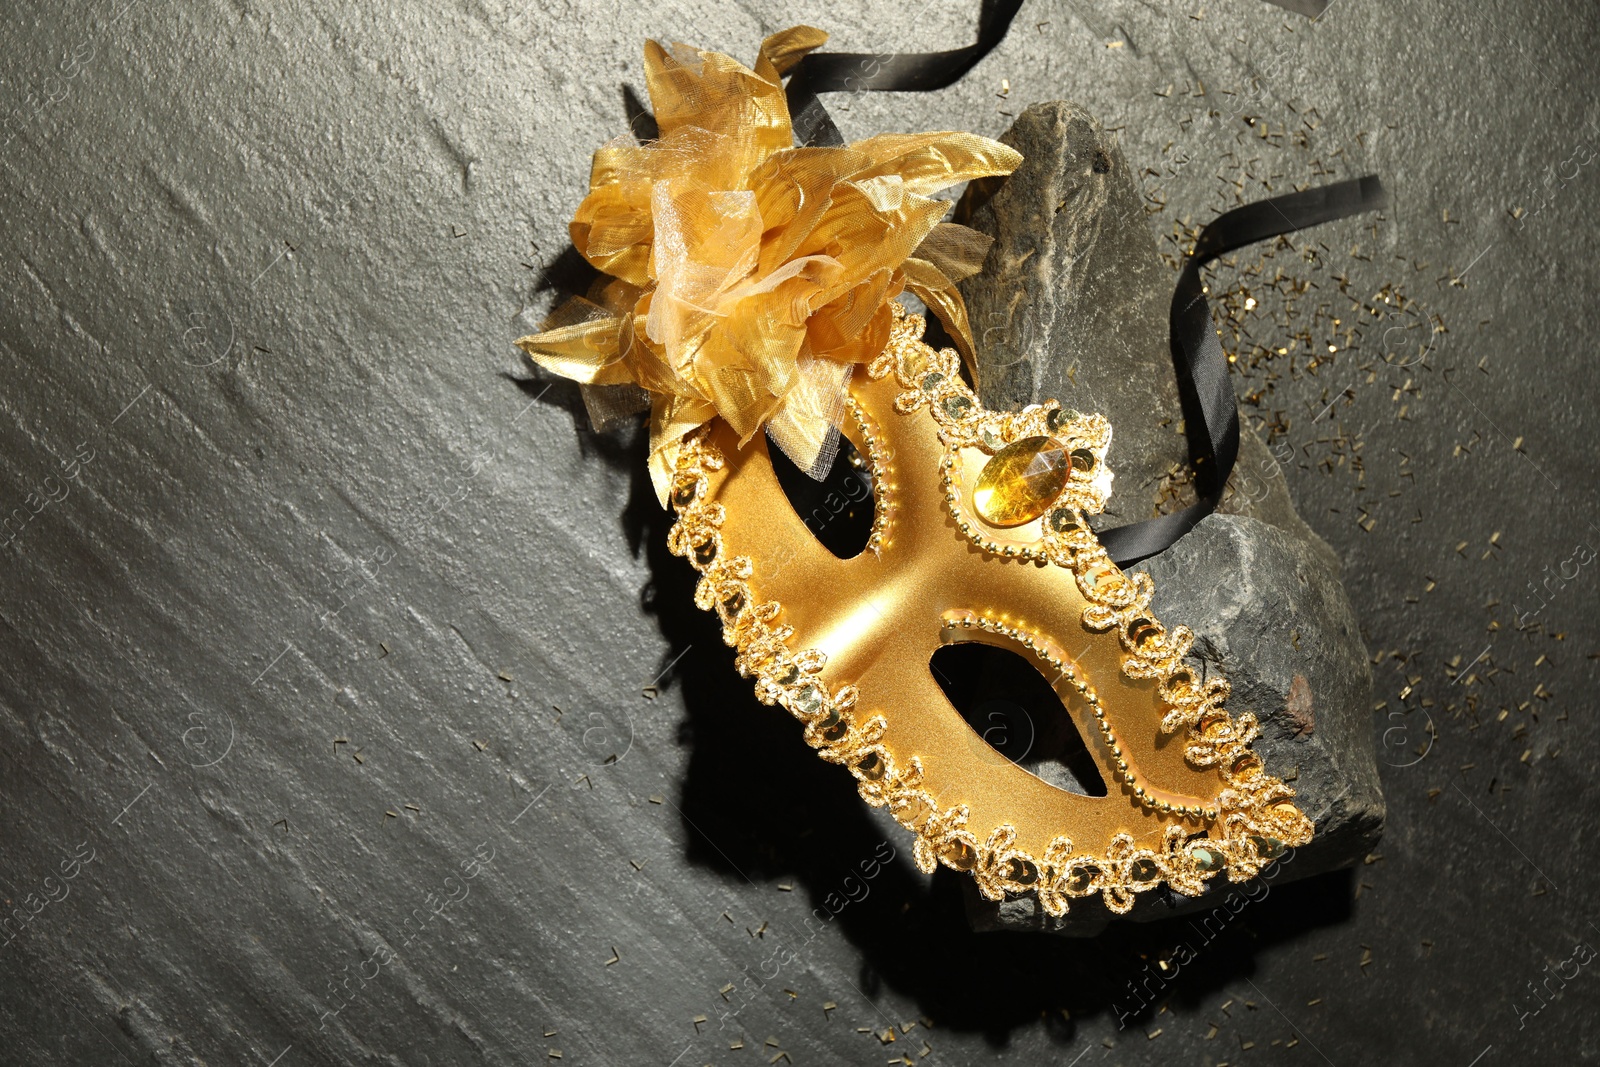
pixel 749 276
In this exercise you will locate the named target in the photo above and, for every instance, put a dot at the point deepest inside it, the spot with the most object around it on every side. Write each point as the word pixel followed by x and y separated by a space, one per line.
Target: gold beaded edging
pixel 1253 812
pixel 877 462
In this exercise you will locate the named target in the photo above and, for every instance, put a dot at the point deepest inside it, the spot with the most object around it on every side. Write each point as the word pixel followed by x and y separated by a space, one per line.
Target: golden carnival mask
pixel 747 279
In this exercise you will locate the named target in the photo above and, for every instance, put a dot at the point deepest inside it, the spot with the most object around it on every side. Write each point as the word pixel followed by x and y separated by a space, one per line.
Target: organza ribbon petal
pixel 928 162
pixel 586 351
pixel 938 291
pixel 748 275
pixel 671 419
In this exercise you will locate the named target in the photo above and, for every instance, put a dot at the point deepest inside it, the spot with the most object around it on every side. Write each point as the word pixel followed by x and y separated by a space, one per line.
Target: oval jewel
pixel 1021 481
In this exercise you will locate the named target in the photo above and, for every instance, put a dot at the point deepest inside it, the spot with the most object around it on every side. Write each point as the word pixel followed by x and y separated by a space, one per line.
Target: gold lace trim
pixel 1253 820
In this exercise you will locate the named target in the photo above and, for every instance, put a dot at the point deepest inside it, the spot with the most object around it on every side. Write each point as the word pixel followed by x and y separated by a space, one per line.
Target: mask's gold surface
pixel 856 669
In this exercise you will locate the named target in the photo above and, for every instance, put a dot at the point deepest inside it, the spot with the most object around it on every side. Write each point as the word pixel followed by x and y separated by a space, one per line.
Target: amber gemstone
pixel 1021 481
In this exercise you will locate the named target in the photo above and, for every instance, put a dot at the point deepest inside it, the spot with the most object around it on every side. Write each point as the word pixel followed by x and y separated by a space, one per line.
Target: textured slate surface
pixel 282 515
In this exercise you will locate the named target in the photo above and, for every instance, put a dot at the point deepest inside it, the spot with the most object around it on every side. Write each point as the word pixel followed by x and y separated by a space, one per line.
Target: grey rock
pixel 1072 305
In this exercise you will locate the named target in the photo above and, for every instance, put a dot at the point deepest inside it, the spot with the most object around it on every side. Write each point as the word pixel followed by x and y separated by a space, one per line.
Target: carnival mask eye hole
pixel 839 510
pixel 1017 714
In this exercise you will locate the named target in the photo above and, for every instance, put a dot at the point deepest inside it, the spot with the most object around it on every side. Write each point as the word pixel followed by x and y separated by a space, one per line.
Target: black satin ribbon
pixel 848 72
pixel 1211 411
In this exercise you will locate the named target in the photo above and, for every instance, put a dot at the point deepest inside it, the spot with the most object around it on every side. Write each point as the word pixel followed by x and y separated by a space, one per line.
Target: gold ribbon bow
pixel 748 276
